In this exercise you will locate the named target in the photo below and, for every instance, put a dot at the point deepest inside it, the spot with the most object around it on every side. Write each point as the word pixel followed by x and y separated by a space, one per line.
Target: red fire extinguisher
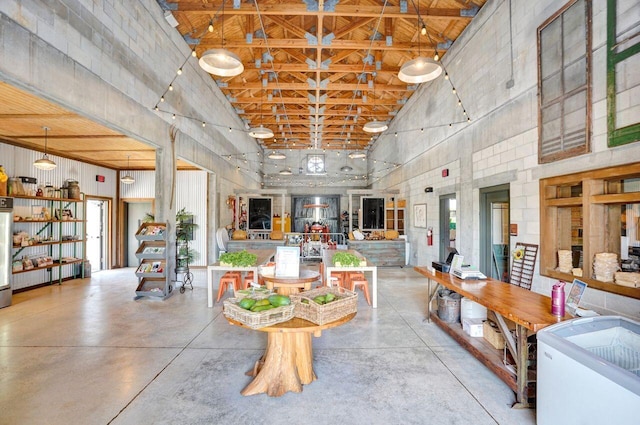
pixel 430 236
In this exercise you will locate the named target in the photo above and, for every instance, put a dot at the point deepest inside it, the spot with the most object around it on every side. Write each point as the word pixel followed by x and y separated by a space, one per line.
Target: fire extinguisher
pixel 430 236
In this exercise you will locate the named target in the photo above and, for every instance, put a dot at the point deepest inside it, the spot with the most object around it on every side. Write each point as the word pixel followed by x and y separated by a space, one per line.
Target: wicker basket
pixel 346 302
pixel 491 333
pixel 258 293
pixel 256 320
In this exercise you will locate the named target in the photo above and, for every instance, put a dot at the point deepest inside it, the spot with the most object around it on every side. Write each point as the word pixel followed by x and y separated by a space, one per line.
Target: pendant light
pixel 420 69
pixel 277 155
pixel 127 178
pixel 221 62
pixel 374 126
pixel 45 163
pixel 285 172
pixel 261 132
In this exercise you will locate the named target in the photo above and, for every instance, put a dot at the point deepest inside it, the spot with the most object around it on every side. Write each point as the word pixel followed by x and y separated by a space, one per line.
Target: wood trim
pixel 121 236
pixel 109 201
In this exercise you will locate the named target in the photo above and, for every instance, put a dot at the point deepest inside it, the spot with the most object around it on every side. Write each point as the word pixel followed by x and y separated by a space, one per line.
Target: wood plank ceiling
pixel 315 71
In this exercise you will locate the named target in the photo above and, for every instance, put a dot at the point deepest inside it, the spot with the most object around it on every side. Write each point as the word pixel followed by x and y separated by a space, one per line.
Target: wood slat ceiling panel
pixel 340 35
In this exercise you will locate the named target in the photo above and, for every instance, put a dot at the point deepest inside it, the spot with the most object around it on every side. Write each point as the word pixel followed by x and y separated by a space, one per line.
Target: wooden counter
pixel 383 253
pixel 530 312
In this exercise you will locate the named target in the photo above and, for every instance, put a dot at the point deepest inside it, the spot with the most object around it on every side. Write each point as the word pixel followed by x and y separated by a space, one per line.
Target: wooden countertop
pixel 527 308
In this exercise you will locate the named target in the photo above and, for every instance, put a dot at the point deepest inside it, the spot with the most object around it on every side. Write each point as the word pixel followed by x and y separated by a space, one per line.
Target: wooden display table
pixel 287 363
pixel 326 267
pixel 291 285
pixel 263 256
pixel 529 310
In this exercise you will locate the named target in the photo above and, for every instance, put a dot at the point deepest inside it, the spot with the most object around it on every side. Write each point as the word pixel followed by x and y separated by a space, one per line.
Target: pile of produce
pixel 346 259
pixel 238 259
pixel 322 299
pixel 264 304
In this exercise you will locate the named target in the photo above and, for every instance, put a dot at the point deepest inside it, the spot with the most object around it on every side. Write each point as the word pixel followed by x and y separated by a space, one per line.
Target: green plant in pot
pixel 184 233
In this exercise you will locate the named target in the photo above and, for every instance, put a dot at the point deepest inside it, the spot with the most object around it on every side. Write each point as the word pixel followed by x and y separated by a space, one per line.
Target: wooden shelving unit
pixel 152 273
pixel 582 212
pixel 52 231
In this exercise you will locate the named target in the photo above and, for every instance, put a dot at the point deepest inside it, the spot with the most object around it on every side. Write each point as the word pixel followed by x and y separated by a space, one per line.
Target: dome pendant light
pixel 221 62
pixel 45 163
pixel 374 126
pixel 127 179
pixel 261 132
pixel 420 69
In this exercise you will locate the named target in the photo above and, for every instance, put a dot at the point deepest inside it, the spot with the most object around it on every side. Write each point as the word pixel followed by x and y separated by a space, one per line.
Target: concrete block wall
pixel 500 144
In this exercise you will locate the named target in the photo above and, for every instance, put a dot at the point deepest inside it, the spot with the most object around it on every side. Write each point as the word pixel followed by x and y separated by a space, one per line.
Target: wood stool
pixel 229 278
pixel 249 278
pixel 358 279
pixel 337 279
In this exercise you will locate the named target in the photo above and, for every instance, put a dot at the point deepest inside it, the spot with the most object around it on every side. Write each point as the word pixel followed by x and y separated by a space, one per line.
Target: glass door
pixel 97 231
pixel 494 232
pixel 447 225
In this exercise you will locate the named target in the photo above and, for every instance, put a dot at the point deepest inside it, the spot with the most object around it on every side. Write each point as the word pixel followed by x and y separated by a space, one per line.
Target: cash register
pixel 445 266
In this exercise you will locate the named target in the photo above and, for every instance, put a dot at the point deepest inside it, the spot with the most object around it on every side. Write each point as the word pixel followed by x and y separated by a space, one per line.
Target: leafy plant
pixel 239 258
pixel 346 259
pixel 184 233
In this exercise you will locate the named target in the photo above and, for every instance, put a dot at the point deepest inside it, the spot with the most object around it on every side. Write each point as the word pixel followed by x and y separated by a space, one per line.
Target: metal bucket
pixel 449 306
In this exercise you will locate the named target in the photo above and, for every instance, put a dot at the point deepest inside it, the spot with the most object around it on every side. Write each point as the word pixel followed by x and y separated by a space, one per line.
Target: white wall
pixel 500 144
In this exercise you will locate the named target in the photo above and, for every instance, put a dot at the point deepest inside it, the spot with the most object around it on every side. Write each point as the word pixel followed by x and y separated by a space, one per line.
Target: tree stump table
pixel 287 363
pixel 291 285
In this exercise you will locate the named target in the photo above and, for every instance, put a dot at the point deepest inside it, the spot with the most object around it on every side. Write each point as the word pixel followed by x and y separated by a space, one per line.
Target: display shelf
pixel 588 213
pixel 152 273
pixel 151 250
pixel 53 230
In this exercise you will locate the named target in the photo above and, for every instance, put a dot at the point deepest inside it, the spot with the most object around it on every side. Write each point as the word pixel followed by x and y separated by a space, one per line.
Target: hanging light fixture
pixel 261 132
pixel 221 62
pixel 45 163
pixel 277 155
pixel 346 169
pixel 420 69
pixel 374 126
pixel 127 178
pixel 357 155
pixel 285 172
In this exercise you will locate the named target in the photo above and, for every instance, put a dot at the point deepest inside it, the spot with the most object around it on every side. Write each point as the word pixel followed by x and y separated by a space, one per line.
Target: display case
pixel 152 253
pixel 588 216
pixel 49 234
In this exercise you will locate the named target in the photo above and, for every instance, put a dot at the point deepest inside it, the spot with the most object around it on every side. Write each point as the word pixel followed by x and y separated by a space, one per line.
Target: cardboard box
pixel 473 327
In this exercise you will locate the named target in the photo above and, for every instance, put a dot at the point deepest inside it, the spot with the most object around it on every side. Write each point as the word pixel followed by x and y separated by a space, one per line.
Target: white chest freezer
pixel 589 372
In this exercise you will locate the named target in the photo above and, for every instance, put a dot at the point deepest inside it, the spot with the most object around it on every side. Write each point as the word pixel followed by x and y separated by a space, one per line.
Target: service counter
pixel 383 253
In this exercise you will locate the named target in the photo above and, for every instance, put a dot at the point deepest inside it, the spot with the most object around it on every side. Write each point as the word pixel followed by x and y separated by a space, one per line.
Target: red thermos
pixel 557 299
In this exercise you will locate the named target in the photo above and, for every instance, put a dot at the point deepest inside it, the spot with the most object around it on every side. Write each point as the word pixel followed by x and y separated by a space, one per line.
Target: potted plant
pixel 184 233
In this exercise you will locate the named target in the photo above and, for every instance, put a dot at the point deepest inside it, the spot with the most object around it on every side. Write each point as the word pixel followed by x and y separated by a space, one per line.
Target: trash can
pixel 449 306
pixel 86 266
pixel 589 372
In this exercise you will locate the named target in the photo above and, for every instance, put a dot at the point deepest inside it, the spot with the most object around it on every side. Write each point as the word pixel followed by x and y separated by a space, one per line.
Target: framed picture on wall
pixel 420 215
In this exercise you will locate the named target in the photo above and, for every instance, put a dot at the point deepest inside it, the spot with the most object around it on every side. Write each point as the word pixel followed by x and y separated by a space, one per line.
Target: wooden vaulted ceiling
pixel 315 71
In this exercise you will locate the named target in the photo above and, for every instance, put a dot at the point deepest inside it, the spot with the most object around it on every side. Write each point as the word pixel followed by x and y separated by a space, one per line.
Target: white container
pixel 473 327
pixel 472 310
pixel 589 372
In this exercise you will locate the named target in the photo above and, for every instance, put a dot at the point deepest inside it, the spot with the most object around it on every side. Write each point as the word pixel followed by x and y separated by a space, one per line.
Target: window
pixel 564 94
pixel 315 164
pixel 623 79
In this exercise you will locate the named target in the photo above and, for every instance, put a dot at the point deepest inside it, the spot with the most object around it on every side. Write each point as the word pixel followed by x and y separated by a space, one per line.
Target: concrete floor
pixel 87 353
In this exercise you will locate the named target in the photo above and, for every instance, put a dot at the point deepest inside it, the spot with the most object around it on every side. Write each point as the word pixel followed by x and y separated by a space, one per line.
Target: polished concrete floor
pixel 87 353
